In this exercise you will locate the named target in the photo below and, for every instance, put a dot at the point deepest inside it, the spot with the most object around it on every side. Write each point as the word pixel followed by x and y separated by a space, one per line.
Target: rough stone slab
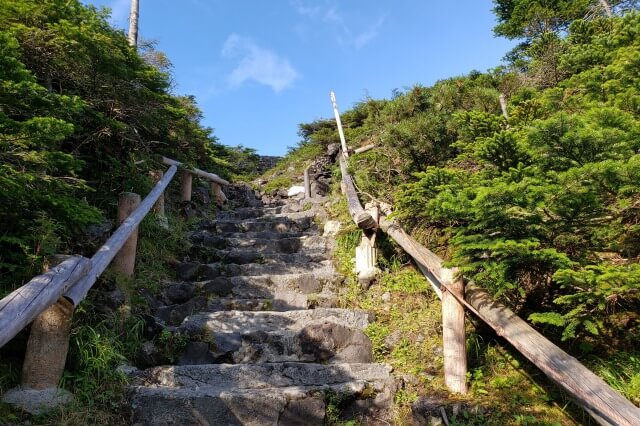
pixel 246 256
pixel 247 322
pixel 212 406
pixel 37 401
pixel 217 269
pixel 321 335
pixel 270 286
pixel 282 224
pixel 307 243
pixel 201 237
pixel 260 376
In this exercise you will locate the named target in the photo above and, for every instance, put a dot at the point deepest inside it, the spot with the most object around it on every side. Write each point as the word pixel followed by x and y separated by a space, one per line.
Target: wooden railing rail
pixel 603 403
pixel 23 305
pixel 40 300
pixel 109 249
pixel 606 405
pixel 362 218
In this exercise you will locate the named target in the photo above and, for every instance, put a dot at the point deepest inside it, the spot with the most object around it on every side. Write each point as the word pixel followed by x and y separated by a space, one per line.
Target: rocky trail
pixel 265 343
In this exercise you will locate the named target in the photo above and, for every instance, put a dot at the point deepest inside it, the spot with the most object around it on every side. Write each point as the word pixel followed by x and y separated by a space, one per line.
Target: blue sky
pixel 258 68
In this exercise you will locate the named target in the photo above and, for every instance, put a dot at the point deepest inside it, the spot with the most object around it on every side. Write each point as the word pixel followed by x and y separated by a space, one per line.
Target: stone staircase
pixel 266 346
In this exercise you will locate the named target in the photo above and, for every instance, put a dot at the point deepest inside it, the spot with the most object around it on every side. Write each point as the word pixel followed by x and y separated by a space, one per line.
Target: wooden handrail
pixel 603 403
pixel 363 219
pixel 108 251
pixel 23 305
pixel 206 175
pixel 606 405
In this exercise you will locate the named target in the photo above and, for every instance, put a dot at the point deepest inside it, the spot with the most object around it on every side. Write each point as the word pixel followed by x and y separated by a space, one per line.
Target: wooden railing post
pixel 453 334
pixel 367 253
pixel 307 184
pixel 45 357
pixel 158 207
pixel 216 191
pixel 187 180
pixel 125 261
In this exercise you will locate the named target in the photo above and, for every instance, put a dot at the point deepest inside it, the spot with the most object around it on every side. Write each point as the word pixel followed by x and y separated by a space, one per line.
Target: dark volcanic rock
pixel 196 353
pixel 328 340
pixel 179 292
pixel 187 270
pixel 220 286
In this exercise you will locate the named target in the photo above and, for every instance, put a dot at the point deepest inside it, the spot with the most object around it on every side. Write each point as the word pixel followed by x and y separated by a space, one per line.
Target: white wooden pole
pixel 133 23
pixel 345 150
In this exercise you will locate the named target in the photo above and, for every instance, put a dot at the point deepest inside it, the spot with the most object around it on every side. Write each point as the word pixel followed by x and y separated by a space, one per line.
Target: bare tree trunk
pixel 607 7
pixel 133 22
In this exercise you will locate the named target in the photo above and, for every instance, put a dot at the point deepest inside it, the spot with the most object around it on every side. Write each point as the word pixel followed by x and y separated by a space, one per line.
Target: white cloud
pixel 329 14
pixel 305 9
pixel 258 64
pixel 362 39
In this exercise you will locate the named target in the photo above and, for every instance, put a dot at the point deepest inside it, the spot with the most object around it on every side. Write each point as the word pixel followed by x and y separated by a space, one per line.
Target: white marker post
pixel 345 151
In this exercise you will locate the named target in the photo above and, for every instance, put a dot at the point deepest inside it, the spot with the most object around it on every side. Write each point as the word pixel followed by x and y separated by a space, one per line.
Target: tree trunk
pixel 133 23
pixel 607 8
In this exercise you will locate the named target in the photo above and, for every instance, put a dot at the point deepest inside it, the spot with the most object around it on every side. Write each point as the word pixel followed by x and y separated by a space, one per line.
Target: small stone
pixel 304 412
pixel 328 340
pixel 386 297
pixel 187 270
pixel 331 228
pixel 295 190
pixel 420 338
pixel 392 340
pixel 179 292
pixel 333 149
pixel 425 411
pixel 220 286
pixel 115 298
pixel 309 284
pixel 149 355
pixel 289 245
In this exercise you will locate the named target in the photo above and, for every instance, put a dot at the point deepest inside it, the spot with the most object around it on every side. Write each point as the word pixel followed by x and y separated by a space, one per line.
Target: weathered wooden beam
pixel 158 207
pixel 606 405
pixel 583 385
pixel 186 183
pixel 363 219
pixel 125 261
pixel 107 252
pixel 23 305
pixel 364 148
pixel 453 335
pixel 428 262
pixel 216 191
pixel 307 184
pixel 206 175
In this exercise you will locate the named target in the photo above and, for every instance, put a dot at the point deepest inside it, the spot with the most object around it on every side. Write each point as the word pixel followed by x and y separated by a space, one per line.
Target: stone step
pixel 287 244
pixel 266 214
pixel 217 269
pixel 312 335
pixel 250 212
pixel 266 286
pixel 278 224
pixel 286 394
pixel 212 239
pixel 245 256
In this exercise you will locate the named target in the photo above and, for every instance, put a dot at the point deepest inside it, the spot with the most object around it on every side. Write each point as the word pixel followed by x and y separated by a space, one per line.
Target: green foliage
pixel 540 208
pixel 83 116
